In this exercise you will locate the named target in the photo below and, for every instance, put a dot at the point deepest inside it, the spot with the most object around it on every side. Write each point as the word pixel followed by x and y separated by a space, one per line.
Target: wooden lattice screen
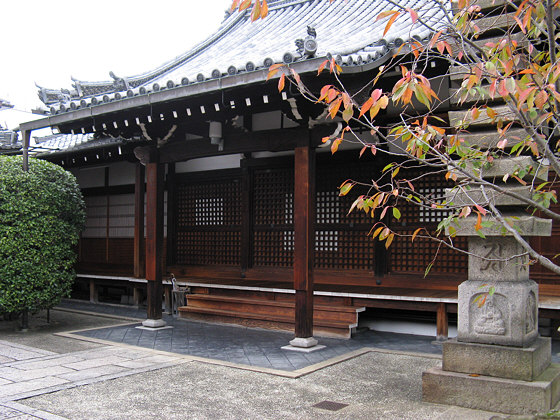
pixel 408 257
pixel 273 198
pixel 209 222
pixel 340 239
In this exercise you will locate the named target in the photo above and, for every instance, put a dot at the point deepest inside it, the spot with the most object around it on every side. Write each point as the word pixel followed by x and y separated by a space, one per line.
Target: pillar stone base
pixel 488 393
pixel 154 323
pixel 304 345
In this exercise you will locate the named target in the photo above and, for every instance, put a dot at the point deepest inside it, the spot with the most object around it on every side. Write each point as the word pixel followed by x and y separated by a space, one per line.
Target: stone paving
pixel 26 372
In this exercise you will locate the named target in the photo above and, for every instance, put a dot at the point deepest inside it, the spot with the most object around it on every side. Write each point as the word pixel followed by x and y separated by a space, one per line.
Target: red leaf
pixel 481 209
pixel 413 15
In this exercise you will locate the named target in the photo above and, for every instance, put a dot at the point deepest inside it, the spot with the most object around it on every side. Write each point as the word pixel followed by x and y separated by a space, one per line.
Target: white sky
pixel 48 41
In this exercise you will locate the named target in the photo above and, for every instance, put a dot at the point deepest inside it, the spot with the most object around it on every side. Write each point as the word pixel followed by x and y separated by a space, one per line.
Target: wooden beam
pixel 304 236
pixel 154 238
pixel 139 244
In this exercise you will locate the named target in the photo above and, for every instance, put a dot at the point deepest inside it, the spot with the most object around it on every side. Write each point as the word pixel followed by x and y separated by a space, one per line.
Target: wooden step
pixel 330 320
pixel 262 306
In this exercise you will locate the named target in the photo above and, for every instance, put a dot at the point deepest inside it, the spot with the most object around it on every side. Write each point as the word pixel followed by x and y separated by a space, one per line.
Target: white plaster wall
pixel 209 163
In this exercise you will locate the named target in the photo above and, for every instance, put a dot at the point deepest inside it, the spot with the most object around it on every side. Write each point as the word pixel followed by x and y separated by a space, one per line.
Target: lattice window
pixel 209 222
pixel 436 194
pixel 96 217
pixel 405 256
pixel 273 243
pixel 209 211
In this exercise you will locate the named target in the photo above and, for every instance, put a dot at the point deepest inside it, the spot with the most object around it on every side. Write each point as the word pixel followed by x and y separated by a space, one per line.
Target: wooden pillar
pixel 304 238
pixel 139 244
pixel 171 216
pixel 154 242
pixel 93 292
pixel 246 223
pixel 442 324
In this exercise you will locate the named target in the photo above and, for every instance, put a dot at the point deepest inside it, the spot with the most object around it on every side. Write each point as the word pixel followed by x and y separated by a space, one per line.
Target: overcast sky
pixel 48 41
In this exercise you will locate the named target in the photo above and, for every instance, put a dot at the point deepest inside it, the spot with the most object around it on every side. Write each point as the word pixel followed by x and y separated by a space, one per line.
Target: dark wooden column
pixel 154 238
pixel 304 238
pixel 247 217
pixel 139 194
pixel 171 216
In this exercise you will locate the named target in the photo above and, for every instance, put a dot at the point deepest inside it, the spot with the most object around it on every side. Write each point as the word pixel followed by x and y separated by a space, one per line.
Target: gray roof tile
pixel 347 30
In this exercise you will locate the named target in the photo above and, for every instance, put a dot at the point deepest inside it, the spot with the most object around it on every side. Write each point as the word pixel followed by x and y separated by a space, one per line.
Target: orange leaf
pixel 390 23
pixel 281 82
pixel 386 14
pixel 416 232
pixel 264 9
pixel 322 66
pixel 366 106
pixel 478 225
pixel 335 144
pixel 334 107
pixel 434 40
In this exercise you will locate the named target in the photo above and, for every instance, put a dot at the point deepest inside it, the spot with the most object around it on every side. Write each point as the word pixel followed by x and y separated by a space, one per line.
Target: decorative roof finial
pixel 308 46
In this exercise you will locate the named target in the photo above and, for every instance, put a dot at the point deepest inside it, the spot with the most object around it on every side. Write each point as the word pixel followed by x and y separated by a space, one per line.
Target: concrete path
pixel 48 376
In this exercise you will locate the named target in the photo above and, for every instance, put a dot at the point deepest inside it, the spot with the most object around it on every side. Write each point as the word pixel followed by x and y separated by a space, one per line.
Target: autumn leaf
pixel 389 240
pixel 345 188
pixel 416 232
pixel 281 82
pixel 264 9
pixel 413 14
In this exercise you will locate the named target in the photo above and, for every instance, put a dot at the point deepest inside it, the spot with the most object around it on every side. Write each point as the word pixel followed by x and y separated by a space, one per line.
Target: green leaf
pixel 396 213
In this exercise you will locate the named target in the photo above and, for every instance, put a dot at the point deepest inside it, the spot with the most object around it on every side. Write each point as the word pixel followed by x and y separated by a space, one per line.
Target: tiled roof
pixel 58 143
pixel 347 30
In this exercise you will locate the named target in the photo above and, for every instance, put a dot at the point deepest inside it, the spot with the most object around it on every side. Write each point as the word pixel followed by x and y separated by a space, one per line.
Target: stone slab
pixel 526 226
pixel 476 195
pixel 509 396
pixel 490 260
pixel 524 364
pixel 510 165
pixel 509 317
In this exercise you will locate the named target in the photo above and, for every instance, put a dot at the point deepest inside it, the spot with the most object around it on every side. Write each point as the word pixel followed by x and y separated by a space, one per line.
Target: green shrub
pixel 41 215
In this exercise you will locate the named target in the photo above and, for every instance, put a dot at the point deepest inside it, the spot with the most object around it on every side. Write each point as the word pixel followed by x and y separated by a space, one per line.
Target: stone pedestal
pixel 507 317
pixel 498 362
pixel 304 345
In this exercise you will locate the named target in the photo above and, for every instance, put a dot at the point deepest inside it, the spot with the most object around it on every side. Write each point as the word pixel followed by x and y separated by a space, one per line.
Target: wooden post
pixel 304 236
pixel 93 292
pixel 26 134
pixel 171 218
pixel 246 223
pixel 139 244
pixel 442 322
pixel 154 243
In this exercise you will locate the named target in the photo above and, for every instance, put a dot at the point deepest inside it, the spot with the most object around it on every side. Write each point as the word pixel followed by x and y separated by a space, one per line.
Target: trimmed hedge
pixel 42 212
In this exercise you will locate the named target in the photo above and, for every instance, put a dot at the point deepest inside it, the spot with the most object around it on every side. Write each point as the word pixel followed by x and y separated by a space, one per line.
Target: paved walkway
pixel 47 373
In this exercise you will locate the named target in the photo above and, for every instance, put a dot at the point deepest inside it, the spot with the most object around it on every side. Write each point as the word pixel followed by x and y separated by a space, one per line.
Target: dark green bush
pixel 41 215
